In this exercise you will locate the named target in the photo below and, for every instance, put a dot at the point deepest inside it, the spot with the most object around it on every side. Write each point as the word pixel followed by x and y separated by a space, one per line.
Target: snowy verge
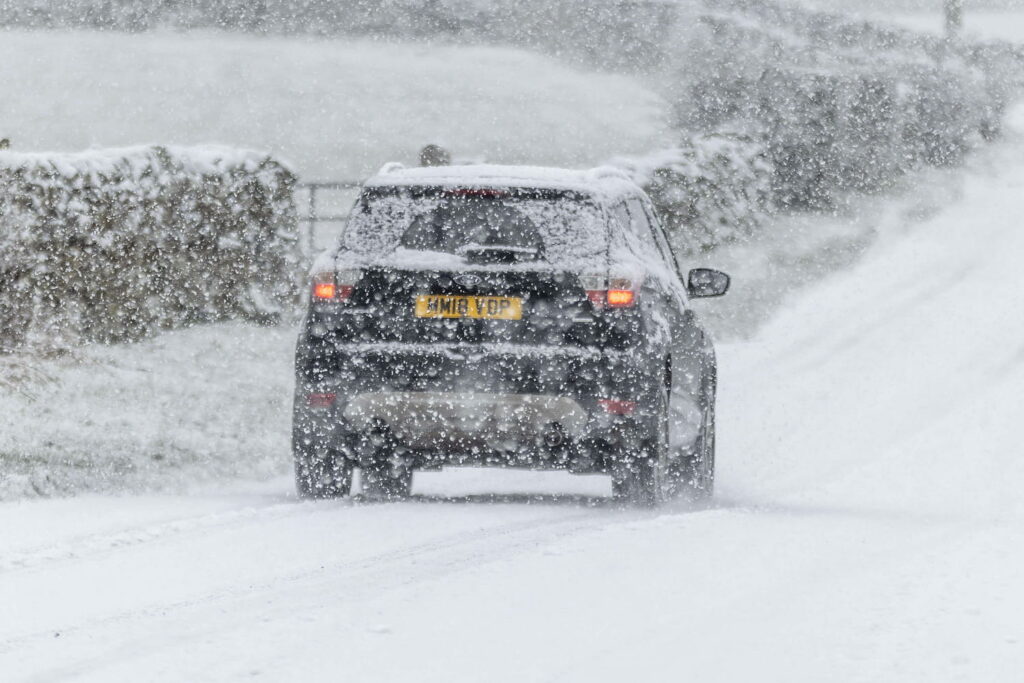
pixel 913 360
pixel 210 403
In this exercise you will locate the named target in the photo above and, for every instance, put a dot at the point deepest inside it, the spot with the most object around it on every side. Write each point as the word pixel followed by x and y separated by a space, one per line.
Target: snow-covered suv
pixel 504 316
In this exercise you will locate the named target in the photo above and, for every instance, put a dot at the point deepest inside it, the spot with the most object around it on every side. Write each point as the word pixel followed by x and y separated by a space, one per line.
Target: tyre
pixel 640 478
pixel 698 475
pixel 692 472
pixel 320 471
pixel 385 477
pixel 639 483
pixel 383 482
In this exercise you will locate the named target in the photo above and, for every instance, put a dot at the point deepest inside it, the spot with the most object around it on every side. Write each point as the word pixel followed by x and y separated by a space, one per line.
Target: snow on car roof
pixel 604 181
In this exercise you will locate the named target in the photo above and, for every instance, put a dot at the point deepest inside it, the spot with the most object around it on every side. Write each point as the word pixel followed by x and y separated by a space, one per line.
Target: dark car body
pixel 504 316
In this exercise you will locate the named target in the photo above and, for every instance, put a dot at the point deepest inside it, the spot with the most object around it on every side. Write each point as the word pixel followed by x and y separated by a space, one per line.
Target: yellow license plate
pixel 487 307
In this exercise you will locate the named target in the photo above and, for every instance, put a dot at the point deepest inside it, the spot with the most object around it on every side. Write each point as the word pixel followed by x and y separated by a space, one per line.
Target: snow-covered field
pixel 337 109
pixel 869 525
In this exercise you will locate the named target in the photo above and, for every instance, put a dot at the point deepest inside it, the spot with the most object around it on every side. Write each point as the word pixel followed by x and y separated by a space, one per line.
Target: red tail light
pixel 335 286
pixel 616 407
pixel 613 292
pixel 621 298
pixel 322 400
pixel 324 290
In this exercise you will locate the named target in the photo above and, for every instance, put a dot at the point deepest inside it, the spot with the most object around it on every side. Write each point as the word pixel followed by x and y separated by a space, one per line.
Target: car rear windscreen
pixel 555 227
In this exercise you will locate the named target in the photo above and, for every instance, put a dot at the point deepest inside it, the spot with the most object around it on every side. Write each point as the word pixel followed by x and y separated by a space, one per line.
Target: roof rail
pixel 608 172
pixel 391 167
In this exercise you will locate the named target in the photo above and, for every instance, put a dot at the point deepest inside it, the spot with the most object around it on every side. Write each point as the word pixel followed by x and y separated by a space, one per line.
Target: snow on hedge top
pixel 206 160
pixel 602 183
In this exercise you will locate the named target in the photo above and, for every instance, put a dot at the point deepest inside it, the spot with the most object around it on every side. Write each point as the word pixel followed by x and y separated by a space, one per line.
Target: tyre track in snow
pixel 92 546
pixel 362 577
pixel 104 543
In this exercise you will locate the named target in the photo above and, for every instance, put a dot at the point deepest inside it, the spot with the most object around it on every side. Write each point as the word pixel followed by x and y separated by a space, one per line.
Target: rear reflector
pixel 616 407
pixel 322 400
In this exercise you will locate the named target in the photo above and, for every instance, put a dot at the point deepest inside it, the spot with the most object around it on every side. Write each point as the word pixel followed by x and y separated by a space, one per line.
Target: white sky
pixel 913 5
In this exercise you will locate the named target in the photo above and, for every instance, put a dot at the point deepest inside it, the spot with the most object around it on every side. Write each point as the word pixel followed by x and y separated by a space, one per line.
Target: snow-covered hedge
pixel 829 105
pixel 113 245
pixel 709 190
pixel 842 104
pixel 834 130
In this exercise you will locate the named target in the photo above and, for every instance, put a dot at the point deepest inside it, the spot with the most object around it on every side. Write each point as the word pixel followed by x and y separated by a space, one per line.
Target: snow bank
pixel 912 361
pixel 113 245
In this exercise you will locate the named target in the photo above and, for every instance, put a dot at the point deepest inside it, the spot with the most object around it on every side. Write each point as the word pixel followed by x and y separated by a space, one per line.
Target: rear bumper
pixel 432 429
pixel 428 420
pixel 486 368
pixel 446 404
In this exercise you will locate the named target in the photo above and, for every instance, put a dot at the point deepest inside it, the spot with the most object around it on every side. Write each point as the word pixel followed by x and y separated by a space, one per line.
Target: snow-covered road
pixel 869 527
pixel 250 585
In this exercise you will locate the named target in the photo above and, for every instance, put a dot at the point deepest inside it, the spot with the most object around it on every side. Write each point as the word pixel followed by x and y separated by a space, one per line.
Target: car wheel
pixel 640 480
pixel 385 477
pixel 384 482
pixel 699 473
pixel 320 471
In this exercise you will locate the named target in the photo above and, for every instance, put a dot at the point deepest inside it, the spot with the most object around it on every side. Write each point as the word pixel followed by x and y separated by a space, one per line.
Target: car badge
pixel 468 280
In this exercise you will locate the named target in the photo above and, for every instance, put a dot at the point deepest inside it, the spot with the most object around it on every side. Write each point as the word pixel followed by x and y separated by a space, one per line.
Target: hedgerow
pixel 115 245
pixel 709 190
pixel 833 106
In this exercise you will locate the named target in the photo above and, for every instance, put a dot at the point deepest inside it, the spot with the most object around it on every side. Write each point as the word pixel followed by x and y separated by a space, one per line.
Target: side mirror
pixel 706 282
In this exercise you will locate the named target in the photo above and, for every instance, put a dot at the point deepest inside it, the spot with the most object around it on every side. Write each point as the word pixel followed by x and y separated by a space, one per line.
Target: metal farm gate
pixel 323 207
